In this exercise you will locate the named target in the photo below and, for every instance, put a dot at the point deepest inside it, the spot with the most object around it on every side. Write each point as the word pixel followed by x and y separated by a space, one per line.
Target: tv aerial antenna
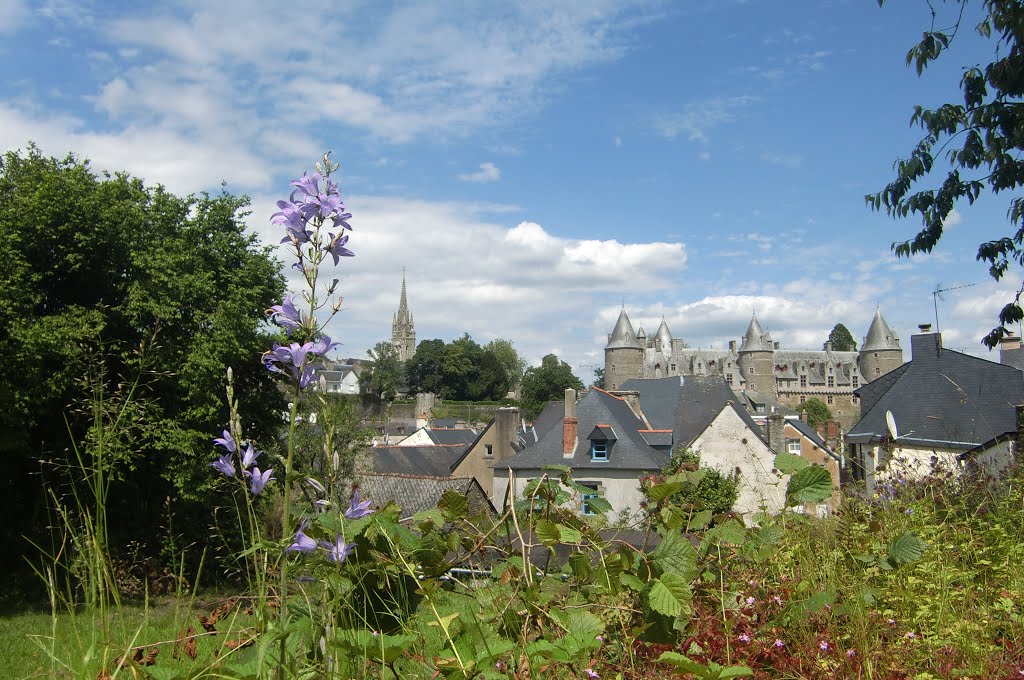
pixel 937 295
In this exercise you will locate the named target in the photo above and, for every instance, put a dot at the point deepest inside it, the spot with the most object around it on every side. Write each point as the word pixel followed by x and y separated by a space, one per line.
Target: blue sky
pixel 536 165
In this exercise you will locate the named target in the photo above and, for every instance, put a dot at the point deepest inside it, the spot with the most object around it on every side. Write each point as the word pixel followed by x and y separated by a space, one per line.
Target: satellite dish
pixel 890 422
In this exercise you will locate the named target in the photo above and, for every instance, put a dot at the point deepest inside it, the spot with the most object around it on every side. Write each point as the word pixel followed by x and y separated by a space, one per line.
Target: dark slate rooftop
pixel 629 451
pixel 812 434
pixel 411 493
pixel 688 404
pixel 941 397
pixel 432 461
pixel 452 435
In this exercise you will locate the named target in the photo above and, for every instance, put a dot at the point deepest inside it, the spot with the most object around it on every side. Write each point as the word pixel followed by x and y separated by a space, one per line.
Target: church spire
pixel 403 332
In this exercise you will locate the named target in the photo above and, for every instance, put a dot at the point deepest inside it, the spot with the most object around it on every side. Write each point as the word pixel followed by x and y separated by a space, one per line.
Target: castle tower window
pixel 856 381
pixel 803 398
pixel 728 378
pixel 803 381
pixel 831 381
pixel 829 399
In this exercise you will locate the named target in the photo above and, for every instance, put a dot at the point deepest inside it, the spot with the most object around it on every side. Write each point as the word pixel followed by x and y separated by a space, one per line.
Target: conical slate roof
pixel 623 335
pixel 664 335
pixel 754 339
pixel 880 336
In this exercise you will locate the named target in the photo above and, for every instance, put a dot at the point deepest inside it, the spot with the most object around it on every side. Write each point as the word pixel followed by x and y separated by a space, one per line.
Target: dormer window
pixel 602 438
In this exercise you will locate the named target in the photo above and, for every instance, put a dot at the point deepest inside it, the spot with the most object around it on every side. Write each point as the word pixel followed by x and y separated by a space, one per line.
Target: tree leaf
pixel 788 463
pixel 669 595
pixel 812 484
pixel 906 549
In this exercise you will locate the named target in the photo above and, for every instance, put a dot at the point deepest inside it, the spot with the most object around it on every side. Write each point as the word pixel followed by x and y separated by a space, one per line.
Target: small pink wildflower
pixel 599 638
pixel 823 645
pixel 591 674
pixel 776 599
pixel 750 600
pixel 744 638
pixel 851 653
pixel 892 622
pixel 779 644
pixel 910 635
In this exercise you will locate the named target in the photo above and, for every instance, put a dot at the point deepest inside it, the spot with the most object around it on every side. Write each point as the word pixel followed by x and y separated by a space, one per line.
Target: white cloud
pixel 698 118
pixel 488 172
pixel 12 14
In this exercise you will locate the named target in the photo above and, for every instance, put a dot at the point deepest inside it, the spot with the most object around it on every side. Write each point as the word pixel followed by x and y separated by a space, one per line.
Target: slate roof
pixel 754 339
pixel 688 404
pixel 941 397
pixel 432 461
pixel 880 336
pixel 623 335
pixel 412 493
pixel 628 452
pixel 453 435
pixel 812 434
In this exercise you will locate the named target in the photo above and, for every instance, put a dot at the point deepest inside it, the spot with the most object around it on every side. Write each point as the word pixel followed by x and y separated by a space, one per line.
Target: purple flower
pixel 225 464
pixel 910 636
pixel 323 345
pixel 260 479
pixel 744 638
pixel 591 674
pixel 302 542
pixel 294 221
pixel 337 247
pixel 357 508
pixel 342 219
pixel 227 441
pixel 823 646
pixel 308 184
pixel 291 357
pixel 249 457
pixel 287 314
pixel 750 600
pixel 340 550
pixel 851 653
pixel 779 644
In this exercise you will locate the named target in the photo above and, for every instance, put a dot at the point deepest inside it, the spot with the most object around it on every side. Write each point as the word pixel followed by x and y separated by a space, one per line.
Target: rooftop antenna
pixel 937 295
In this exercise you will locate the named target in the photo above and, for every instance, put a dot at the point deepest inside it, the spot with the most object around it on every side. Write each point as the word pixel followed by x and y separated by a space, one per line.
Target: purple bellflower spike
pixel 225 464
pixel 260 479
pixel 227 441
pixel 342 219
pixel 340 550
pixel 337 247
pixel 308 184
pixel 249 457
pixel 307 378
pixel 358 508
pixel 294 221
pixel 302 542
pixel 287 314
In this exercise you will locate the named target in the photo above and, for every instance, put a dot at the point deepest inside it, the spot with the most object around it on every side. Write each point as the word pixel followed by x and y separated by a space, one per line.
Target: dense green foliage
pixel 107 278
pixel 707 489
pixel 545 383
pixel 818 412
pixel 979 142
pixel 599 378
pixel 462 370
pixel 841 339
pixel 383 376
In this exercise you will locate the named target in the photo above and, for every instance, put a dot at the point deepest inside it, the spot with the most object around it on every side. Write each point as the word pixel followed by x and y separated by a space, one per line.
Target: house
pixel 920 418
pixel 339 377
pixel 434 460
pixel 415 494
pixel 704 416
pixel 605 443
pixel 499 440
pixel 446 436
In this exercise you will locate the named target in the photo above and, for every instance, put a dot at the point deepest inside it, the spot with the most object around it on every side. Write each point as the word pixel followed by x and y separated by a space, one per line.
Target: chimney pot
pixel 924 327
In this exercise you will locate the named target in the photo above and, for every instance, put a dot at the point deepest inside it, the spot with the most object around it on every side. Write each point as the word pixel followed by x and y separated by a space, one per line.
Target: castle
pixel 759 367
pixel 403 332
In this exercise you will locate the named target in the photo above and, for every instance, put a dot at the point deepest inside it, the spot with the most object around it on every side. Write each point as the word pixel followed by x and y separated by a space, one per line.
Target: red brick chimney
pixel 570 425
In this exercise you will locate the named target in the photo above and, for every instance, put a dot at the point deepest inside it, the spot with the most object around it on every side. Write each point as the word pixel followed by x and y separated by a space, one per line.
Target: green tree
pixel 383 376
pixel 980 140
pixel 712 490
pixel 547 382
pixel 98 267
pixel 818 413
pixel 424 370
pixel 511 363
pixel 599 378
pixel 841 339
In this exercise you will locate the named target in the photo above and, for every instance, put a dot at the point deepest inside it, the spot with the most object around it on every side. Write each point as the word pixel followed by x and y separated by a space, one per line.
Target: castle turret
pixel 663 338
pixel 756 359
pixel 623 355
pixel 880 351
pixel 403 332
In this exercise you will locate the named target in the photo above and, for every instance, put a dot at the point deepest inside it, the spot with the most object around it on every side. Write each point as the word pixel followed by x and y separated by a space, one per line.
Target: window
pixel 751 371
pixel 758 408
pixel 586 509
pixel 672 367
pixel 829 399
pixel 599 450
pixel 878 371
pixel 856 381
pixel 728 378
pixel 803 381
pixel 793 446
pixel 488 450
pixel 802 398
pixel 855 399
pixel 831 381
